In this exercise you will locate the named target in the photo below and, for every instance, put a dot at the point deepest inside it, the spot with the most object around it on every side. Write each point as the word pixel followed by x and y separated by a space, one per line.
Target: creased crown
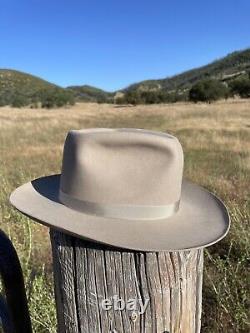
pixel 122 167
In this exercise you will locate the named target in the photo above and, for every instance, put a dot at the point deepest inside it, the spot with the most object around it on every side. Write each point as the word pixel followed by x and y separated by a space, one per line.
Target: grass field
pixel 216 143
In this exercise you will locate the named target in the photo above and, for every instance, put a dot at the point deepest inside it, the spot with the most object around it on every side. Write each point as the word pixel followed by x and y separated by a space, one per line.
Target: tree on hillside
pixel 150 97
pixel 208 91
pixel 241 88
pixel 55 98
pixel 132 97
pixel 19 101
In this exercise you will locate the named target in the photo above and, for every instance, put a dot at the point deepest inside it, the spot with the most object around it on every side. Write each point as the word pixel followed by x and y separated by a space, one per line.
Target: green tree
pixel 55 98
pixel 19 101
pixel 208 91
pixel 101 99
pixel 150 97
pixel 3 101
pixel 241 87
pixel 132 97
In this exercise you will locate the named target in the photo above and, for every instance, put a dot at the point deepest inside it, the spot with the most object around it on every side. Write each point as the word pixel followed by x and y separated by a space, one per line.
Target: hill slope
pixel 26 88
pixel 14 83
pixel 233 65
pixel 91 94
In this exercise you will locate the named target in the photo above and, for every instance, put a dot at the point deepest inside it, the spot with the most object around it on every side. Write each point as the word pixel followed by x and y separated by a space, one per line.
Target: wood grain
pixel 87 273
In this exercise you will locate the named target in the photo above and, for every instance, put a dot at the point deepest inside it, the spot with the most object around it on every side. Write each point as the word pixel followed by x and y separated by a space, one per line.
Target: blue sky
pixel 110 44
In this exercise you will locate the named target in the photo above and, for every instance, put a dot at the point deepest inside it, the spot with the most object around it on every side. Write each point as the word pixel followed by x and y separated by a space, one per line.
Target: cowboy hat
pixel 124 188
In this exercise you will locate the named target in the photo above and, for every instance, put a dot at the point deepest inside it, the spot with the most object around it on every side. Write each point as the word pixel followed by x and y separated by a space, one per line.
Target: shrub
pixel 208 91
pixel 55 98
pixel 3 101
pixel 101 99
pixel 149 97
pixel 241 88
pixel 132 97
pixel 120 100
pixel 19 101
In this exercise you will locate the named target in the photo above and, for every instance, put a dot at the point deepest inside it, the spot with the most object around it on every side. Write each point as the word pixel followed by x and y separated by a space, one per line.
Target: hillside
pixel 22 88
pixel 90 94
pixel 19 89
pixel 234 65
pixel 14 83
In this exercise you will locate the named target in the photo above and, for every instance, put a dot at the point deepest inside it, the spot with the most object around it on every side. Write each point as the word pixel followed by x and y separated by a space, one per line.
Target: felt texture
pixel 125 167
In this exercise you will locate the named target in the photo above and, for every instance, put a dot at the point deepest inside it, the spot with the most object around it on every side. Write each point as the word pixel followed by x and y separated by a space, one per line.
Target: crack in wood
pixel 87 273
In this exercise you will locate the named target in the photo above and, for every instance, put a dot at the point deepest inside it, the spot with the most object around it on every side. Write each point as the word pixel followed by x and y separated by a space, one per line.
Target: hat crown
pixel 122 167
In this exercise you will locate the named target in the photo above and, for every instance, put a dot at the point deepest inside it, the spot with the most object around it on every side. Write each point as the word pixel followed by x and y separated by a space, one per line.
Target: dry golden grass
pixel 216 143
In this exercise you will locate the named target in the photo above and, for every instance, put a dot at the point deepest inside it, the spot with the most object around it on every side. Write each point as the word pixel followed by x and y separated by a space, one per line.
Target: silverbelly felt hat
pixel 125 188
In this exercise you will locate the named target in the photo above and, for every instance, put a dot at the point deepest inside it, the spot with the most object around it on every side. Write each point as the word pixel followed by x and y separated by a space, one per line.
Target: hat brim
pixel 202 219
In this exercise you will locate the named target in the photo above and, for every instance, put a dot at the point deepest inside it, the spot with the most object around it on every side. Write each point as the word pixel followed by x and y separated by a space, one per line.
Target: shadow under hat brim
pixel 202 219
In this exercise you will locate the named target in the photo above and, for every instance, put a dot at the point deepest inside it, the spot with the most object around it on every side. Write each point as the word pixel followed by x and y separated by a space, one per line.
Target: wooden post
pixel 87 273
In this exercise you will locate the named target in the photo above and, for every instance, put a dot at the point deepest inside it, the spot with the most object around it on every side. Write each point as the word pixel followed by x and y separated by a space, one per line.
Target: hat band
pixel 128 212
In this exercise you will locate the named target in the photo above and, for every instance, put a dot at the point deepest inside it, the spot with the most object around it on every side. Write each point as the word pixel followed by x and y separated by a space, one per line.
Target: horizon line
pixel 128 85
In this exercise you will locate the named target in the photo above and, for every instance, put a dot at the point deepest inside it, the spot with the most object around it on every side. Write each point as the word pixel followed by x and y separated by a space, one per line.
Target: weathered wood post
pixel 88 273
